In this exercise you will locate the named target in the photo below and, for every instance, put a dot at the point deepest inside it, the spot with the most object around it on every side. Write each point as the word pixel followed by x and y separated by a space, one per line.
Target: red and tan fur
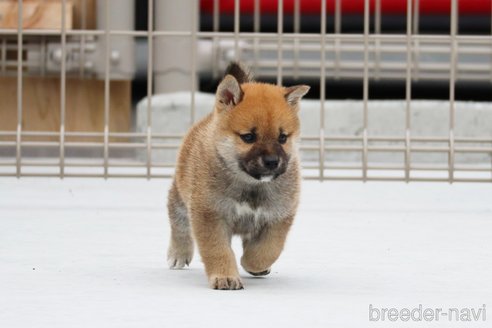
pixel 237 173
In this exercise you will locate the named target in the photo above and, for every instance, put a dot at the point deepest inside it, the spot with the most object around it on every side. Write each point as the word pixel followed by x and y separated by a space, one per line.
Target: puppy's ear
pixel 229 93
pixel 240 72
pixel 295 93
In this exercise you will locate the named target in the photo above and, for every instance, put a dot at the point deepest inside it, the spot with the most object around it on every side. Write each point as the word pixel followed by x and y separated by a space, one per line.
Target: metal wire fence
pixel 370 55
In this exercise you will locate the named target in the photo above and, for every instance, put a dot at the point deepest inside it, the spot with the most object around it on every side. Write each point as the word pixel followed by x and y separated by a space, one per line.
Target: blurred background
pixel 401 89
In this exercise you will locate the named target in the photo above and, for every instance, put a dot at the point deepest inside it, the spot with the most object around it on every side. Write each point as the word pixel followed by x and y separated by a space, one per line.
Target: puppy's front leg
pixel 213 238
pixel 261 251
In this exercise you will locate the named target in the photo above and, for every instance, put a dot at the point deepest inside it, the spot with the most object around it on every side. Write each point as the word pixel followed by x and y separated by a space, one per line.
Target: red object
pixel 475 7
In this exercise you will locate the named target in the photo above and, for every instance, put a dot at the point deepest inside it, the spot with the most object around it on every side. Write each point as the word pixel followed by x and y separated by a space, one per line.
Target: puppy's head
pixel 257 125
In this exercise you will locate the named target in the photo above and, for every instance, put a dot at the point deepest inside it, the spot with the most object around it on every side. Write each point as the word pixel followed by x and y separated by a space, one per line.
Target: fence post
pixel 122 51
pixel 173 54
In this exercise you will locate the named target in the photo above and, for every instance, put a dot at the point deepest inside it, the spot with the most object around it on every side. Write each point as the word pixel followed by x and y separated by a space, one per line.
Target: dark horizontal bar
pixel 435 24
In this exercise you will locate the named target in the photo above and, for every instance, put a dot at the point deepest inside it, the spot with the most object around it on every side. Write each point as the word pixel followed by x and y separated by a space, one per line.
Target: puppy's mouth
pixel 267 178
pixel 264 177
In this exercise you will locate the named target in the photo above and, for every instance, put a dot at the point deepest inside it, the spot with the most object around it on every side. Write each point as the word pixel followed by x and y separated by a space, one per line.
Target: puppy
pixel 237 174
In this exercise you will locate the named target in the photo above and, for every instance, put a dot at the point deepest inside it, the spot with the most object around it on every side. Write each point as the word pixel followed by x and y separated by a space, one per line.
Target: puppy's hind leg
pixel 181 246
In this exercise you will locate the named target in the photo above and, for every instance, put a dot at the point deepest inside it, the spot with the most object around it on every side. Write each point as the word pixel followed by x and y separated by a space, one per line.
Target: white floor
pixel 91 253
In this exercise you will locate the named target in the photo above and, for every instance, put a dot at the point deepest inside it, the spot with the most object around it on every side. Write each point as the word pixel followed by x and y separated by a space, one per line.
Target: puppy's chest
pixel 251 210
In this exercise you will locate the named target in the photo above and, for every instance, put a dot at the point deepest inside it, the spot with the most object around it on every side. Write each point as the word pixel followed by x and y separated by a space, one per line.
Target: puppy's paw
pixel 261 273
pixel 177 259
pixel 226 282
pixel 254 268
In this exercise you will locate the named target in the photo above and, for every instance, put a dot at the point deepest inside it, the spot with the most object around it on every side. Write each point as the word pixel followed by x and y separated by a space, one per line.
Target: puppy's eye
pixel 282 138
pixel 248 137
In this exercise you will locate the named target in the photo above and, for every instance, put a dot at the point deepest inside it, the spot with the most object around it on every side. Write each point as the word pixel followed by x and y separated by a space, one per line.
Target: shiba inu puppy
pixel 237 174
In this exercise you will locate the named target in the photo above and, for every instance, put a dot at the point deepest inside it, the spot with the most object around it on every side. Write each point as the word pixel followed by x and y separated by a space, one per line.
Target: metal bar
pixel 19 87
pixel 50 32
pixel 143 145
pixel 63 83
pixel 167 176
pixel 92 134
pixel 256 29
pixel 280 28
pixel 172 57
pixel 435 38
pixel 338 31
pixel 150 78
pixel 452 79
pixel 429 149
pixel 89 134
pixel 322 90
pixel 352 71
pixel 128 164
pixel 358 148
pixel 296 44
pixel 355 46
pixel 216 22
pixel 89 175
pixel 83 22
pixel 107 45
pixel 87 144
pixel 416 45
pixel 194 75
pixel 237 54
pixel 365 87
pixel 396 179
pixel 94 164
pixel 215 40
pixel 305 176
pixel 408 93
pixel 377 30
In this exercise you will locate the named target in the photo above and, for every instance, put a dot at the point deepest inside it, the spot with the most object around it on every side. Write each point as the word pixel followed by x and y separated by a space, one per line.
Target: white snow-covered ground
pixel 91 253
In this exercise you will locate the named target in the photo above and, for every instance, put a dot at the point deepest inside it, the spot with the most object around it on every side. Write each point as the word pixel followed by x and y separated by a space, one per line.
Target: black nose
pixel 270 161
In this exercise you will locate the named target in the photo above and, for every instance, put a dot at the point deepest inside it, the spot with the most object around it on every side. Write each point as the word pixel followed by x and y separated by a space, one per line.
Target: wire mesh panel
pixel 101 91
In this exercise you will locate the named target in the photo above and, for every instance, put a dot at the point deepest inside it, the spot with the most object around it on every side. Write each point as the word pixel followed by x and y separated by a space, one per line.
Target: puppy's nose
pixel 270 161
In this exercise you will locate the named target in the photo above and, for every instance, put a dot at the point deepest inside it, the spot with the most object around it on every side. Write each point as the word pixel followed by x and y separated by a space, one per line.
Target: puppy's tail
pixel 241 73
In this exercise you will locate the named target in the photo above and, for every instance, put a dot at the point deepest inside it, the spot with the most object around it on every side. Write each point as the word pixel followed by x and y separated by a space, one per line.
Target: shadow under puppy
pixel 237 174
